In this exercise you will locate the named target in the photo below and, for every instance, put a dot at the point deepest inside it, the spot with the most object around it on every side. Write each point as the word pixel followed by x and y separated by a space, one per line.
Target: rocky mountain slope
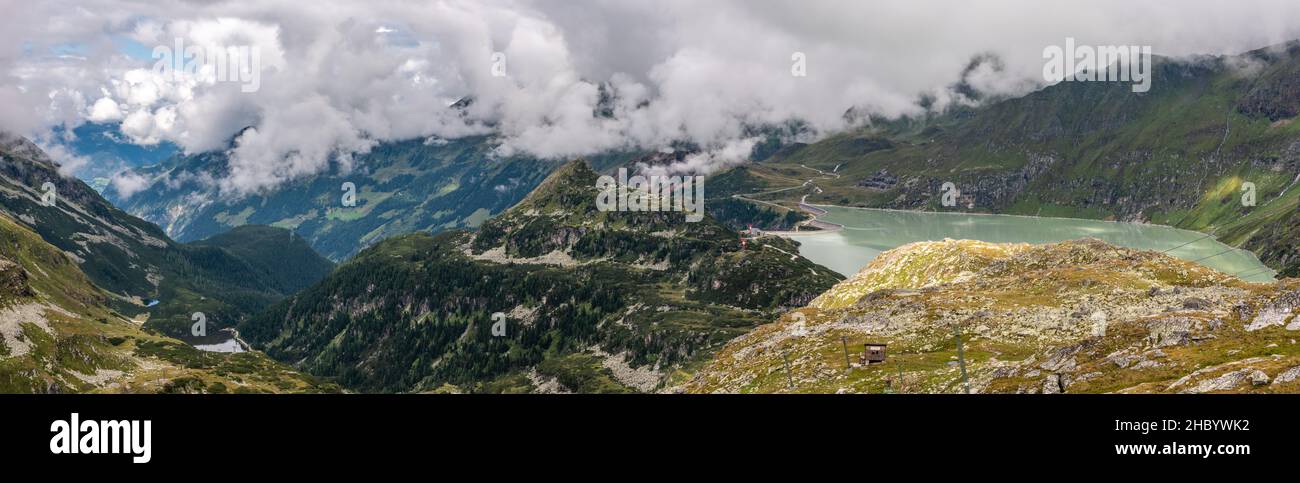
pixel 592 301
pixel 58 335
pixel 136 264
pixel 1074 317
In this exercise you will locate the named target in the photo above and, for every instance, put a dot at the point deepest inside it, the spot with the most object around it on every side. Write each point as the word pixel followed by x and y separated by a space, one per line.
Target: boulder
pixel 1258 378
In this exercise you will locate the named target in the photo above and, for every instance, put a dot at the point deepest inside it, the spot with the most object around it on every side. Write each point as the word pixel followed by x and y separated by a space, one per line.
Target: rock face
pixel 1173 331
pixel 1287 375
pixel 882 180
pixel 1072 317
pixel 13 281
pixel 1226 382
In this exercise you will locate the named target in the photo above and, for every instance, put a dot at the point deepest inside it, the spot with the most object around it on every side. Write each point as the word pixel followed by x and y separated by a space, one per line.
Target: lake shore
pixel 864 232
pixel 823 227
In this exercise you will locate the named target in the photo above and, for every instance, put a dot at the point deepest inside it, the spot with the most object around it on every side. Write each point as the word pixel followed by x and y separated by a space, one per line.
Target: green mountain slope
pixel 401 187
pixel 593 301
pixel 136 263
pixel 278 255
pixel 1074 317
pixel 1179 154
pixel 58 335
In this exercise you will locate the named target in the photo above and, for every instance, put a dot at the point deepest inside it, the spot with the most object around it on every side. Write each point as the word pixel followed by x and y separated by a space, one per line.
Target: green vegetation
pixel 57 334
pixel 226 278
pixel 1178 155
pixel 740 215
pixel 278 256
pixel 414 313
pixel 402 187
pixel 582 374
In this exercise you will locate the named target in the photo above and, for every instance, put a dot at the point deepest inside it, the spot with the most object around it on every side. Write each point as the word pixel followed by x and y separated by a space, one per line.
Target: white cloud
pixel 105 110
pixel 148 128
pixel 68 161
pixel 339 76
pixel 299 140
pixel 729 154
pixel 128 183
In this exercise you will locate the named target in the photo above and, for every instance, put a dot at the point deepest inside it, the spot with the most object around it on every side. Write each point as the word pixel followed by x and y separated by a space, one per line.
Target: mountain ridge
pixel 423 184
pixel 594 301
pixel 133 260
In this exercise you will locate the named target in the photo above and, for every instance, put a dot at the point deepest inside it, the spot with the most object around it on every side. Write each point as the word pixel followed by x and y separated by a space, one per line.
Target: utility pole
pixel 789 379
pixel 900 375
pixel 961 357
pixel 845 340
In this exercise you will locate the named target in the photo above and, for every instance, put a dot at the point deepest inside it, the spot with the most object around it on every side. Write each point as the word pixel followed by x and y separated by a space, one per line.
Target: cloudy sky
pixel 337 77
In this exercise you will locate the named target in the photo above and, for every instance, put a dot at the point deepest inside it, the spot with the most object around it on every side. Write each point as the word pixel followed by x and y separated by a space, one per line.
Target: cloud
pixel 338 77
pixel 68 161
pixel 128 183
pixel 298 140
pixel 729 154
pixel 105 110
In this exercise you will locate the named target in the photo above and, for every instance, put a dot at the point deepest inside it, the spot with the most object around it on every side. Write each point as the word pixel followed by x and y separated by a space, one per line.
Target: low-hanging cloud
pixel 339 77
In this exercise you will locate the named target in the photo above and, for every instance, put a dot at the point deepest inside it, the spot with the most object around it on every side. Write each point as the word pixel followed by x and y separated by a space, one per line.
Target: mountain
pixel 1180 154
pixel 279 256
pixel 106 151
pixel 400 187
pixel 593 301
pixel 58 335
pixel 1073 317
pixel 136 264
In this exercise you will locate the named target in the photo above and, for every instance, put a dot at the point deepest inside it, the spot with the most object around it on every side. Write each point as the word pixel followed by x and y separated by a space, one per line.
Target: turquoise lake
pixel 868 232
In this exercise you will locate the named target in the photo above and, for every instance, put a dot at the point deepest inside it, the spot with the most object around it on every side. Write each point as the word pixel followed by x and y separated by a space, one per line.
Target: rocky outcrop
pixel 1073 317
pixel 882 180
pixel 13 281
